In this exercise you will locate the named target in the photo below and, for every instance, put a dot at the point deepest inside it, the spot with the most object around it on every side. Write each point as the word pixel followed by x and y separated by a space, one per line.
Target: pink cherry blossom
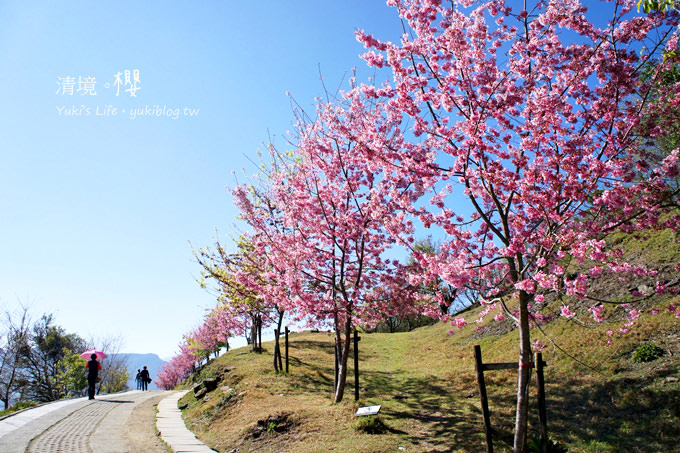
pixel 537 346
pixel 177 369
pixel 564 311
pixel 597 313
pixel 512 133
pixel 459 322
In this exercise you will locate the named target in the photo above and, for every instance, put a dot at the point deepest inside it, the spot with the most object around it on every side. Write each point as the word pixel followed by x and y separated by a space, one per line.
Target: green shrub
pixel 19 406
pixel 370 424
pixel 534 446
pixel 647 353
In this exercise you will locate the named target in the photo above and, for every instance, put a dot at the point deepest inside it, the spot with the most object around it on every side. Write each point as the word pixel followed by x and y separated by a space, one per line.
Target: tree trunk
pixel 253 335
pixel 344 354
pixel 523 375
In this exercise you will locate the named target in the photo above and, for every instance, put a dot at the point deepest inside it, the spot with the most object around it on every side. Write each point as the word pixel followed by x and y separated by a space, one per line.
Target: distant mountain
pixel 137 361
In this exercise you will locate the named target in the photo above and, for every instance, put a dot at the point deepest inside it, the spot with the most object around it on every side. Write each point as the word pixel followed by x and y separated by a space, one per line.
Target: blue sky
pixel 98 210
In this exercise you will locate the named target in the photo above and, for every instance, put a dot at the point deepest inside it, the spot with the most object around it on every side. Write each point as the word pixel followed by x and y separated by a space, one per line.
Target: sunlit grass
pixel 599 399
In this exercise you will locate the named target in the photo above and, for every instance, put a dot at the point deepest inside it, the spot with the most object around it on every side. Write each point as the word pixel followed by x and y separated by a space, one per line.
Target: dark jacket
pixel 93 367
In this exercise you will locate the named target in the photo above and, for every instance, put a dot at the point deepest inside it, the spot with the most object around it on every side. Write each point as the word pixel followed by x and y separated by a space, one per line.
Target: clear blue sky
pixel 97 211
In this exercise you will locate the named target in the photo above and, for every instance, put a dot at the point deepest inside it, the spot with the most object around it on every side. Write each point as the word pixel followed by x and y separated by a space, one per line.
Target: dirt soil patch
pixel 272 425
pixel 140 429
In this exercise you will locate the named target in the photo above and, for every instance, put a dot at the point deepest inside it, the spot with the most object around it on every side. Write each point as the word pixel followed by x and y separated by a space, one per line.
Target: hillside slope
pixel 598 398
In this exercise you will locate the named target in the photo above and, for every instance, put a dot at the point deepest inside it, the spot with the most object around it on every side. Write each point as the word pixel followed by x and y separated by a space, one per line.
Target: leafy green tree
pixel 115 381
pixel 236 278
pixel 44 360
pixel 72 375
pixel 657 5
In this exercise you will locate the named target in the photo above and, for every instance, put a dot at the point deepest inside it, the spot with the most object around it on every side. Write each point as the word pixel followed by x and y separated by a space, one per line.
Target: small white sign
pixel 368 410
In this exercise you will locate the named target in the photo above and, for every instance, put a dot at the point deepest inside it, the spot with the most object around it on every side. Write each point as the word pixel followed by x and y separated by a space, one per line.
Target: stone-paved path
pixel 72 434
pixel 83 426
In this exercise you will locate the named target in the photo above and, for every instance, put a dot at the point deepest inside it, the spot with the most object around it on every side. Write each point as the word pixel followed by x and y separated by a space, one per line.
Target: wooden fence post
pixel 542 414
pixel 479 367
pixel 356 365
pixel 287 331
pixel 276 350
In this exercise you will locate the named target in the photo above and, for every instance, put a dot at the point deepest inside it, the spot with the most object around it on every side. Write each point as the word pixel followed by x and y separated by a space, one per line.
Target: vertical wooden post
pixel 479 367
pixel 276 350
pixel 542 415
pixel 287 331
pixel 356 365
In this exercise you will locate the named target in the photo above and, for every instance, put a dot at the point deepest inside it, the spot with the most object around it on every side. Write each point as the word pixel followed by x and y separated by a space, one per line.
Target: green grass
pixel 599 398
pixel 19 407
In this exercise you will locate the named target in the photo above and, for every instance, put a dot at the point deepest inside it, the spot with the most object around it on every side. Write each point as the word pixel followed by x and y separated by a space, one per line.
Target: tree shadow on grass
pixel 620 415
pixel 440 419
pixel 431 413
pixel 319 374
pixel 324 344
pixel 626 414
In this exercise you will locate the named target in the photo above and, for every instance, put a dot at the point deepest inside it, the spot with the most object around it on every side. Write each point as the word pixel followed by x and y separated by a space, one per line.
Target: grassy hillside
pixel 599 399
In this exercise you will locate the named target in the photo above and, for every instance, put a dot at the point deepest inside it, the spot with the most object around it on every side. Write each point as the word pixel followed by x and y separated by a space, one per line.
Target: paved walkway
pixel 84 426
pixel 173 430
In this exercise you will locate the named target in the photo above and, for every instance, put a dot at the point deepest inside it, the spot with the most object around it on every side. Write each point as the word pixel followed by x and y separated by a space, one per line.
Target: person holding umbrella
pixel 93 367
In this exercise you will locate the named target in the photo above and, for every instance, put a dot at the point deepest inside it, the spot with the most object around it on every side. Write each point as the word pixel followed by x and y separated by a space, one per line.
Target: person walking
pixel 93 367
pixel 145 379
pixel 138 378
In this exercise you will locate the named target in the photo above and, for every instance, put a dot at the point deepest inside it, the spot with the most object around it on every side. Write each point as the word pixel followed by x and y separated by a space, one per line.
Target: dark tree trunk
pixel 278 361
pixel 344 355
pixel 523 375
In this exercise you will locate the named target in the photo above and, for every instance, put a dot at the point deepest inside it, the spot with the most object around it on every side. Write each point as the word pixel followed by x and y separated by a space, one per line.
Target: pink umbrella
pixel 87 355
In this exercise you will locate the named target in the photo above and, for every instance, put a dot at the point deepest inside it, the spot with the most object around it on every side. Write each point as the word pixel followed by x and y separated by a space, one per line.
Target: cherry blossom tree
pixel 332 217
pixel 528 114
pixel 209 337
pixel 246 287
pixel 177 369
